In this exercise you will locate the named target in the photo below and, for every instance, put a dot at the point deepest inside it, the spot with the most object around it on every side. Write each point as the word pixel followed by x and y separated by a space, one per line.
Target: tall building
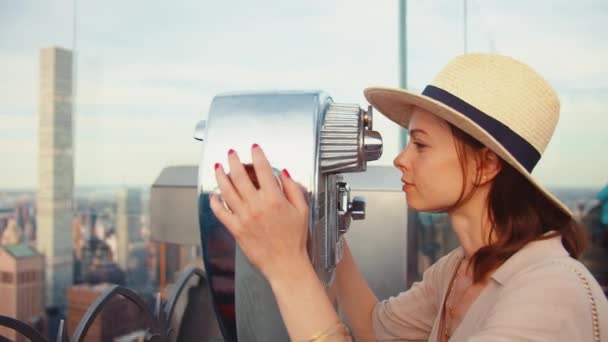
pixel 130 247
pixel 21 286
pixel 55 172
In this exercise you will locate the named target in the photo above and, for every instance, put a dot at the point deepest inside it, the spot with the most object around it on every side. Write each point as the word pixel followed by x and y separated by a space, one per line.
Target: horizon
pixel 143 186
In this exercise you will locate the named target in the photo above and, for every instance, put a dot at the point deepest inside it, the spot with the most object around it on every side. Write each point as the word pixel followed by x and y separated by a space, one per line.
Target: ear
pixel 490 166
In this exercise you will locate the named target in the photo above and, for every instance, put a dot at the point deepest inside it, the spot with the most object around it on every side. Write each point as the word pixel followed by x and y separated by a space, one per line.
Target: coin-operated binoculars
pixel 314 138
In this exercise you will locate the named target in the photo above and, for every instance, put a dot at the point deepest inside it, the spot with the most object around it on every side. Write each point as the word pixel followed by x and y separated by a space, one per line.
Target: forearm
pixel 304 305
pixel 355 298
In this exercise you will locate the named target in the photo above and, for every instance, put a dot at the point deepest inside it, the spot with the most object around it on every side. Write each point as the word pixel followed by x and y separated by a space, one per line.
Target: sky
pixel 148 70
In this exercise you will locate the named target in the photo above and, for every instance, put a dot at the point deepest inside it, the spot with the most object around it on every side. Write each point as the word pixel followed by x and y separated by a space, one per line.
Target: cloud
pixel 27 25
pixel 18 148
pixel 19 87
pixel 565 41
pixel 134 149
pixel 146 76
pixel 576 154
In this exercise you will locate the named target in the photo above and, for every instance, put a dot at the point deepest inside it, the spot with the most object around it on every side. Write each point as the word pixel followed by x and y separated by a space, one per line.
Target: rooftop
pixel 21 251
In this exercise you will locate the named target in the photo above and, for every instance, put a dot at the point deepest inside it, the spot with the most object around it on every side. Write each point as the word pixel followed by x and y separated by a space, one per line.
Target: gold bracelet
pixel 336 329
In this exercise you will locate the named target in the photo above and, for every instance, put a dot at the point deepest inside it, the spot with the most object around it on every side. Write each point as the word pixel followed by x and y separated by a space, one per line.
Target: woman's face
pixel 432 174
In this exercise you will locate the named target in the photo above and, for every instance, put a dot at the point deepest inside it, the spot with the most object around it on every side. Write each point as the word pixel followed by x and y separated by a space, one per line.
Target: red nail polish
pixel 286 173
pixel 217 166
pixel 230 152
pixel 255 146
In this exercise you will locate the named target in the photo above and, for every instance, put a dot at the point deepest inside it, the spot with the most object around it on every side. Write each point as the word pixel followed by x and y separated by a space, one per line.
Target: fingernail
pixel 286 173
pixel 217 166
pixel 255 146
pixel 230 152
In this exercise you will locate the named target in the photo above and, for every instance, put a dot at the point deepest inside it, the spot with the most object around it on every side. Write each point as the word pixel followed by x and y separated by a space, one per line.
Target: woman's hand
pixel 269 224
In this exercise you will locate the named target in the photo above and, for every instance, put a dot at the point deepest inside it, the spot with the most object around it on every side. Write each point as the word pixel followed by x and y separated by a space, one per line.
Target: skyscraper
pixel 55 172
pixel 130 247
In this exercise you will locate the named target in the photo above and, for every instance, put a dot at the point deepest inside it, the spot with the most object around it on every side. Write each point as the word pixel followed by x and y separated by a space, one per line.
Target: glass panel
pixel 97 99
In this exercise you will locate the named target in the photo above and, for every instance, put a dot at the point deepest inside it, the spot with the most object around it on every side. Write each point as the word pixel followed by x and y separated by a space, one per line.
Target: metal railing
pixel 159 326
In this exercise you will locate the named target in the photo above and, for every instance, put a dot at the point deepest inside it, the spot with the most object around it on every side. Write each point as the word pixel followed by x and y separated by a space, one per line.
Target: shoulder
pixel 550 299
pixel 565 271
pixel 556 281
pixel 555 294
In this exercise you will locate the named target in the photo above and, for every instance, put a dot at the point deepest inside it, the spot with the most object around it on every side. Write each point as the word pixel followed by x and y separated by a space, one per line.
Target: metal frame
pixel 158 324
pixel 22 328
pixel 154 332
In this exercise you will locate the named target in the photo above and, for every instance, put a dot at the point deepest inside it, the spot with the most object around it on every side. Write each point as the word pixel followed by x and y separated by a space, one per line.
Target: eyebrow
pixel 417 130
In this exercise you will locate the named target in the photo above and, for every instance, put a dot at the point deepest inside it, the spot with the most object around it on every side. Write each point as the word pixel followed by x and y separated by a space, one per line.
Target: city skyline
pixel 141 87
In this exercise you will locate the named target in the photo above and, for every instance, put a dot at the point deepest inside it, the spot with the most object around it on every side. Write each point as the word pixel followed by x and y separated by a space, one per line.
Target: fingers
pixel 263 170
pixel 222 214
pixel 239 191
pixel 293 192
pixel 229 193
pixel 240 179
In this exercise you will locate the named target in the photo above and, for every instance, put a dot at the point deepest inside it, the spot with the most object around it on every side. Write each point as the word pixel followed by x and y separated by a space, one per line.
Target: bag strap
pixel 594 314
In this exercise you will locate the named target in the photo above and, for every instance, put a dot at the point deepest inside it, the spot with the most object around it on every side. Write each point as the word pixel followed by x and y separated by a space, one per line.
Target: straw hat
pixel 498 100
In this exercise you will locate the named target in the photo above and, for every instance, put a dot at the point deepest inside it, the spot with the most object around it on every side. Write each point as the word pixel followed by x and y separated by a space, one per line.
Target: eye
pixel 419 146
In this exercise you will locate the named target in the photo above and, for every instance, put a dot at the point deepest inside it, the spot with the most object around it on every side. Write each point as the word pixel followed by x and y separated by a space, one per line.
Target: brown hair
pixel 520 213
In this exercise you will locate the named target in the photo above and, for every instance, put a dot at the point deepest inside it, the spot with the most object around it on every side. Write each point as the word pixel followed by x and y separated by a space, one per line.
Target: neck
pixel 471 222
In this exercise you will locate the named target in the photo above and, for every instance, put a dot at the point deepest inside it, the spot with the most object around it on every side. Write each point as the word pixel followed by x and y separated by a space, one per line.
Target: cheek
pixel 440 179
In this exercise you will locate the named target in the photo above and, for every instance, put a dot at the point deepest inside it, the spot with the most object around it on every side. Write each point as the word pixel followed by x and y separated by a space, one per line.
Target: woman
pixel 475 135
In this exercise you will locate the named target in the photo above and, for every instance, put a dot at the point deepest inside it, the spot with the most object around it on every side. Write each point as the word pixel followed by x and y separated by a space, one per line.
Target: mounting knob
pixel 357 208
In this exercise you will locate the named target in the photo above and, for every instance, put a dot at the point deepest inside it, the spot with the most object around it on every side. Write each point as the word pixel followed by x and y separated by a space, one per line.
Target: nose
pixel 401 161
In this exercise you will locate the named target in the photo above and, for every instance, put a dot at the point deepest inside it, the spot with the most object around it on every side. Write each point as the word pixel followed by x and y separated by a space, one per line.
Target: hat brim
pixel 398 104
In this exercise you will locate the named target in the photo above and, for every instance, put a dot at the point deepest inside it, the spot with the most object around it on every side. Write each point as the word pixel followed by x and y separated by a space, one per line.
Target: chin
pixel 416 206
pixel 428 208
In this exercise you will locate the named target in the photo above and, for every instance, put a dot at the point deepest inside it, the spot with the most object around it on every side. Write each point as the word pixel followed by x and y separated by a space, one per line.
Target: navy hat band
pixel 519 148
